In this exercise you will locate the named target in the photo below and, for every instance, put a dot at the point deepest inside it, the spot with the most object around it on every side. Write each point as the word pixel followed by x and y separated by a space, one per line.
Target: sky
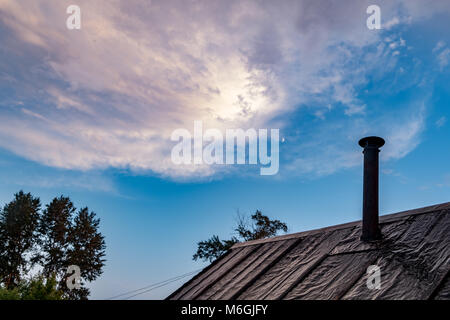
pixel 89 113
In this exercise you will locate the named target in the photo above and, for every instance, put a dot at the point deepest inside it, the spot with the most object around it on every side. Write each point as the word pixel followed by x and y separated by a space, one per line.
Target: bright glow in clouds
pixel 111 93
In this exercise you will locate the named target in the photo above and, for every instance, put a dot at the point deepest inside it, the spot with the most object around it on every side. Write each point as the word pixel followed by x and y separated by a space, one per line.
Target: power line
pixel 153 286
pixel 163 283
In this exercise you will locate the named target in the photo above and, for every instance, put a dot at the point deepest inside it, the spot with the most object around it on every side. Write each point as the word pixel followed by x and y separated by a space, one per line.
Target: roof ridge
pixel 383 219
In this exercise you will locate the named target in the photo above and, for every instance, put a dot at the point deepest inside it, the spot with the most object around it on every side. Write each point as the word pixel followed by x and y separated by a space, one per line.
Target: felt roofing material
pixel 331 263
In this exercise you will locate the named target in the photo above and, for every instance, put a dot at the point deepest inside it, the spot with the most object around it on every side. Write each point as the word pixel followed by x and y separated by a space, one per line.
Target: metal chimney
pixel 370 228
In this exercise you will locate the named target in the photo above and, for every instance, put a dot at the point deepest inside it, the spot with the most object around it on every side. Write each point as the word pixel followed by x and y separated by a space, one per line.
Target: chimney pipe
pixel 370 228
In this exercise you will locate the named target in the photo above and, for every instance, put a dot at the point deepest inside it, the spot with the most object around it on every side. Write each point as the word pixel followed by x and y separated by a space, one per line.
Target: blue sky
pixel 89 113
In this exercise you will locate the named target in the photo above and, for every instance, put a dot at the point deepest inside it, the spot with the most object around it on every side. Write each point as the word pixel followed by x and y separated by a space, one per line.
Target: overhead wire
pixel 153 286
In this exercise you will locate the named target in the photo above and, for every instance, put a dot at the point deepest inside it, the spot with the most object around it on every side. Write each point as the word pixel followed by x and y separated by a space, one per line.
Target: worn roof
pixel 331 263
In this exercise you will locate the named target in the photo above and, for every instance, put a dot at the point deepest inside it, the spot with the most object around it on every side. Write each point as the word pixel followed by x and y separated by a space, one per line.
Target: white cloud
pixel 391 23
pixel 333 146
pixel 439 46
pixel 404 137
pixel 443 54
pixel 444 58
pixel 111 93
pixel 441 122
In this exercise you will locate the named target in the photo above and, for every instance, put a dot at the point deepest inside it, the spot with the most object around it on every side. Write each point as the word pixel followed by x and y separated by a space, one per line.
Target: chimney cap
pixel 372 142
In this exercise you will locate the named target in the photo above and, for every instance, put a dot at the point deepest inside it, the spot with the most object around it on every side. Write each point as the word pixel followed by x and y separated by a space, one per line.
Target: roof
pixel 331 263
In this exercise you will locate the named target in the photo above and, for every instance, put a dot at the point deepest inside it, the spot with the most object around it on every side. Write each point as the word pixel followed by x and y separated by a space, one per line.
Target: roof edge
pixel 383 219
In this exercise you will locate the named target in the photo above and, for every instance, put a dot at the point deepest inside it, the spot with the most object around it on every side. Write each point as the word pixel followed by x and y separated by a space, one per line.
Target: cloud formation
pixel 110 94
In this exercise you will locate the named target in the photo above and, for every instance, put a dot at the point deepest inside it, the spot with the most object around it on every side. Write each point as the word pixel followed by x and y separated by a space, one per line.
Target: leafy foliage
pixel 213 248
pixel 10 294
pixel 87 250
pixel 260 227
pixel 18 236
pixel 54 239
pixel 54 228
pixel 37 288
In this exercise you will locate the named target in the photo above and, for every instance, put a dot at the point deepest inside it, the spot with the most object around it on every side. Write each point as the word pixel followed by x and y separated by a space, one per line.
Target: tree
pixel 36 288
pixel 87 249
pixel 69 238
pixel 213 248
pixel 55 239
pixel 18 236
pixel 260 227
pixel 54 228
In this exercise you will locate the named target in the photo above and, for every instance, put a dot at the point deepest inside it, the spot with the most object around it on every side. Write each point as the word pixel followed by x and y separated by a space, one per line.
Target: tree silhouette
pixel 260 227
pixel 87 249
pixel 55 239
pixel 54 229
pixel 19 220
